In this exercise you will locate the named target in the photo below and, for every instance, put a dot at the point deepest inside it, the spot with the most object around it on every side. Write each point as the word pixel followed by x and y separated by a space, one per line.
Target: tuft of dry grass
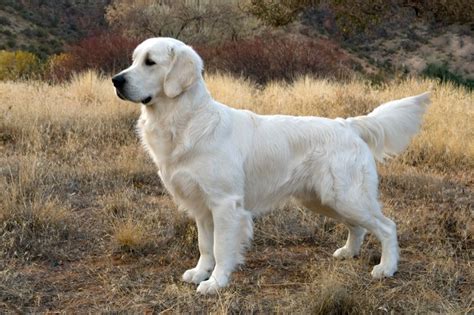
pixel 130 236
pixel 86 225
pixel 35 224
pixel 335 298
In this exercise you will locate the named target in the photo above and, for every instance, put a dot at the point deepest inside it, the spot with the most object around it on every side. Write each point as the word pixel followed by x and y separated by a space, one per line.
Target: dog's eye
pixel 149 62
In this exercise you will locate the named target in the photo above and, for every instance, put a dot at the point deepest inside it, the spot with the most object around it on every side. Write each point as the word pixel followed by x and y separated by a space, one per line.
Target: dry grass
pixel 86 226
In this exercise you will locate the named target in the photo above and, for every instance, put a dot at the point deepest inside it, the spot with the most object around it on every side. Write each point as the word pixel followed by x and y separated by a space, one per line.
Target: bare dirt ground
pixel 85 225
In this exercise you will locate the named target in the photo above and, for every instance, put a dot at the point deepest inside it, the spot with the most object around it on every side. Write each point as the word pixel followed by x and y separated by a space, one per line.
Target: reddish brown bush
pixel 105 52
pixel 259 59
pixel 275 58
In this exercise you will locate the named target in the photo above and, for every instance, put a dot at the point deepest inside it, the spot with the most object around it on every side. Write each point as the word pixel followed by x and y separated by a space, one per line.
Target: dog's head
pixel 162 67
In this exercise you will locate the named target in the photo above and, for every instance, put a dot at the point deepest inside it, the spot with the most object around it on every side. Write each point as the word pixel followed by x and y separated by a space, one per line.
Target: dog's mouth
pixel 146 100
pixel 119 94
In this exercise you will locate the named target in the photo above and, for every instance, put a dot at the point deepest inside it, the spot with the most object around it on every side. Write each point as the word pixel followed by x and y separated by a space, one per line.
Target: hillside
pixel 43 27
pixel 417 47
pixel 402 43
pixel 399 44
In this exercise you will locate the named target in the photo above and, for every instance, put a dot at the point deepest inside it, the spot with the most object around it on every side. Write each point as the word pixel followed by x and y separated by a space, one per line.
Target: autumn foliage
pixel 59 66
pixel 105 52
pixel 262 59
pixel 16 65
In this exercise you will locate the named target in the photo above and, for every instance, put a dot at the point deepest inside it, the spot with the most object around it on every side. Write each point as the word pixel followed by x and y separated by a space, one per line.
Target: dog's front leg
pixel 206 261
pixel 232 231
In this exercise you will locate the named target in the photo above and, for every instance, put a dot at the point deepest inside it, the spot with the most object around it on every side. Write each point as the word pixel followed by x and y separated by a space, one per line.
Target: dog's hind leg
pixel 383 228
pixel 353 243
pixel 360 211
pixel 356 232
pixel 386 231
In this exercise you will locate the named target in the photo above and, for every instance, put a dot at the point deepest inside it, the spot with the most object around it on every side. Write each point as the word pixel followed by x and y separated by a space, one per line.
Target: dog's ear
pixel 185 69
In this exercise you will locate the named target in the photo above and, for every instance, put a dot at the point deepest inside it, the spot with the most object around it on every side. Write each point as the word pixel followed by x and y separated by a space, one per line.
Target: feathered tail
pixel 389 128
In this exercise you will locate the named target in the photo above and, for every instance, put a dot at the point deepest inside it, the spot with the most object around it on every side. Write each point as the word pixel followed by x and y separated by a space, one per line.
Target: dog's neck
pixel 172 114
pixel 193 97
pixel 174 125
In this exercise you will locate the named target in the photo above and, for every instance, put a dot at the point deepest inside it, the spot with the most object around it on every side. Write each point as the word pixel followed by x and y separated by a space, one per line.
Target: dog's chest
pixel 157 141
pixel 161 145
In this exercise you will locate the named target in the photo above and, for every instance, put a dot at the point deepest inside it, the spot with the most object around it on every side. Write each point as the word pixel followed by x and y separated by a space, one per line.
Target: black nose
pixel 119 81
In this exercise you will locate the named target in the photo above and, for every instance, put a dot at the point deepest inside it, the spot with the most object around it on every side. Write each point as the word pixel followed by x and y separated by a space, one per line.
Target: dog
pixel 226 166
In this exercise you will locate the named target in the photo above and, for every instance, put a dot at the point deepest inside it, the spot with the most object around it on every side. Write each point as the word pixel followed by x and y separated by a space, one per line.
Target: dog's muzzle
pixel 119 82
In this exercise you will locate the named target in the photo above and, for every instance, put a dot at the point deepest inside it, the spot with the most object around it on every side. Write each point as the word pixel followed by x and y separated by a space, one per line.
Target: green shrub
pixel 442 73
pixel 4 21
pixel 11 43
pixel 8 33
pixel 39 33
pixel 28 32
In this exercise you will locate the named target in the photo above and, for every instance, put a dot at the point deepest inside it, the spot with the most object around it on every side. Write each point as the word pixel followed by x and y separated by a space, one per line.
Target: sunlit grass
pixel 78 193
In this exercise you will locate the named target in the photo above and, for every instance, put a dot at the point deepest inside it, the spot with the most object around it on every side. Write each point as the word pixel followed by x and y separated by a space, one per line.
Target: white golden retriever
pixel 225 166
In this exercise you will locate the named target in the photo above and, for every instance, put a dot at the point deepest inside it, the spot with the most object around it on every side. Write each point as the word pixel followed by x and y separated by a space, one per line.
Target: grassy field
pixel 85 224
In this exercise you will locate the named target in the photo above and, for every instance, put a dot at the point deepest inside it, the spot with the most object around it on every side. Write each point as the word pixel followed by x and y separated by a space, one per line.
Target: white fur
pixel 225 166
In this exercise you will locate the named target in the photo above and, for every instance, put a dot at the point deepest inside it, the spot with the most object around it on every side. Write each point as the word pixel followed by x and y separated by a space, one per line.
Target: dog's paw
pixel 380 271
pixel 195 275
pixel 211 286
pixel 208 287
pixel 343 253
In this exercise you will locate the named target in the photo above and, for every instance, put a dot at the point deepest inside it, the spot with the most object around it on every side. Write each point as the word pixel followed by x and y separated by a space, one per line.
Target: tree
pixel 192 22
pixel 277 13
